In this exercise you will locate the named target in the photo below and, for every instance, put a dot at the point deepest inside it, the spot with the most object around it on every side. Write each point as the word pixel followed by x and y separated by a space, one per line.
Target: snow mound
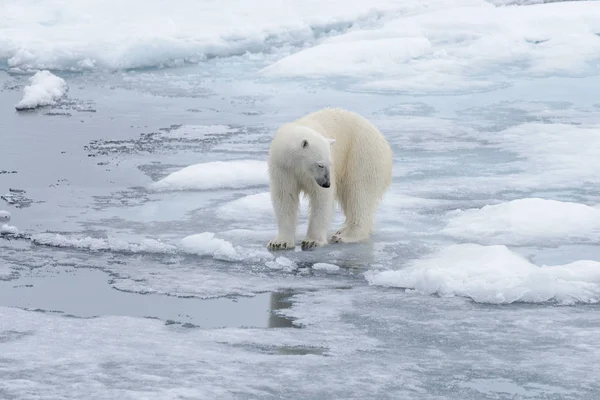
pixel 216 175
pixel 494 274
pixel 528 220
pixel 45 90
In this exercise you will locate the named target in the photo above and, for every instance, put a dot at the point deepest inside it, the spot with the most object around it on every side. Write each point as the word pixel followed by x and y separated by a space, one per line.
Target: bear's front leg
pixel 321 206
pixel 285 200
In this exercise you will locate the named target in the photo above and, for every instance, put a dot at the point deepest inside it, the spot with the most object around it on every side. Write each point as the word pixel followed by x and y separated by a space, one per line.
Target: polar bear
pixel 331 154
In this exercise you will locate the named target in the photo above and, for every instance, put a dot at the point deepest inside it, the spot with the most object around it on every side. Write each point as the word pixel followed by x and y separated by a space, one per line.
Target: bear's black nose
pixel 326 185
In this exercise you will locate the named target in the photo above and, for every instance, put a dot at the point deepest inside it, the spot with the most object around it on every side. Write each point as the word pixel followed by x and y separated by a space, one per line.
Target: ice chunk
pixel 216 175
pixel 4 227
pixel 325 267
pixel 45 90
pixel 282 263
pixel 206 244
pixel 8 229
pixel 528 220
pixel 4 216
pixel 494 274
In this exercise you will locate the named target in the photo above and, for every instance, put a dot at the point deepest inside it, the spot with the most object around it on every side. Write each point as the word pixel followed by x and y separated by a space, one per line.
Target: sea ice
pixel 45 90
pixel 448 48
pixel 38 35
pixel 199 244
pixel 494 274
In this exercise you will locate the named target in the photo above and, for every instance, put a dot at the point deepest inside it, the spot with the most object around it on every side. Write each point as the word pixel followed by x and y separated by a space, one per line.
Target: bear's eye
pixel 321 165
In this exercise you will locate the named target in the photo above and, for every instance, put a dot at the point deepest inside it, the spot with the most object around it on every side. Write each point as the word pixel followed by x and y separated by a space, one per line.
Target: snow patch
pixel 494 274
pixel 216 175
pixel 527 220
pixel 45 90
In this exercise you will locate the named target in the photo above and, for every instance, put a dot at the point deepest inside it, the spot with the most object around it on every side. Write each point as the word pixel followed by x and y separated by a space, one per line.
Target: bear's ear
pixel 331 141
pixel 304 143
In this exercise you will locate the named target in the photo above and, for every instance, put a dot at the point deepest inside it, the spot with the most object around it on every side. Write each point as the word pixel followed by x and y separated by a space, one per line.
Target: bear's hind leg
pixel 360 213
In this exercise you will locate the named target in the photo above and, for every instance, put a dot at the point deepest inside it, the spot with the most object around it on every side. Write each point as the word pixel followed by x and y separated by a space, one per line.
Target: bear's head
pixel 316 158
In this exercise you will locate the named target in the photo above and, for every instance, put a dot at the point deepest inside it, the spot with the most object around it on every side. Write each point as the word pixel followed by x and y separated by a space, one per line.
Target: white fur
pixel 359 161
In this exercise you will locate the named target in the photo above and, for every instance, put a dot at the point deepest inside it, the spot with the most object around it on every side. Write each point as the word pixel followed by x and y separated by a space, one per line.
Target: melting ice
pixel 481 279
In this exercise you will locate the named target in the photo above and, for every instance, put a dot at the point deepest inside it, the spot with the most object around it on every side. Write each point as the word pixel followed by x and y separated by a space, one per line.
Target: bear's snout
pixel 324 182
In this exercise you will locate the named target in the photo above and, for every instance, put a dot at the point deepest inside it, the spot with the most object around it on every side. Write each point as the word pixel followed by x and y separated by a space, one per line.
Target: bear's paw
pixel 345 235
pixel 308 244
pixel 280 245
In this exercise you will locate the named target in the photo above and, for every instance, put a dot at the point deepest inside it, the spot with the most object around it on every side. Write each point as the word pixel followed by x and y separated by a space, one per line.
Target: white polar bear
pixel 331 154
